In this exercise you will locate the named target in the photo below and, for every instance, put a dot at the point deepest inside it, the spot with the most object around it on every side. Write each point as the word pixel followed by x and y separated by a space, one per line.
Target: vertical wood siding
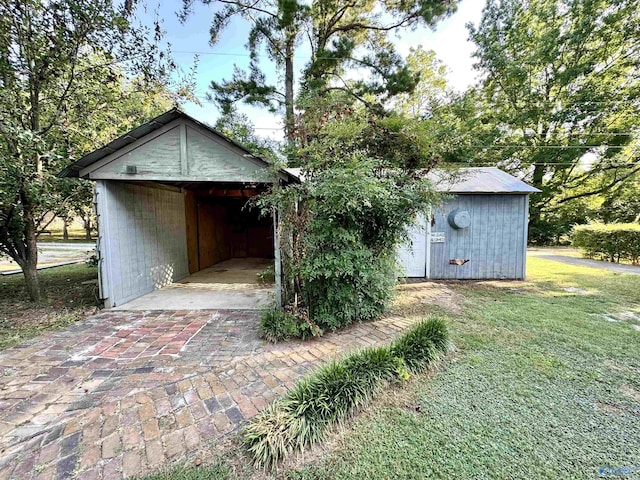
pixel 494 243
pixel 146 239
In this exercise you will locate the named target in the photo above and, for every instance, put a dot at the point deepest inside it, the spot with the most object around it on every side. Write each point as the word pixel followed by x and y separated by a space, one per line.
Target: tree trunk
pixel 535 215
pixel 65 230
pixel 288 89
pixel 30 261
pixel 87 227
pixel 31 280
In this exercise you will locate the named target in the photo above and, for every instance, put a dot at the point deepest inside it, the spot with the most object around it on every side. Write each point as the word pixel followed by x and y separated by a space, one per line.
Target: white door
pixel 413 257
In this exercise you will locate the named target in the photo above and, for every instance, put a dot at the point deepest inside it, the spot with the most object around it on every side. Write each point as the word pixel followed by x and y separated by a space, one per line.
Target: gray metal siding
pixel 494 243
pixel 143 237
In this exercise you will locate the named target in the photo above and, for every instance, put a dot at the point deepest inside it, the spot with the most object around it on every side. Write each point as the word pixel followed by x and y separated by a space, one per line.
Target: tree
pixel 240 129
pixel 559 100
pixel 340 228
pixel 621 204
pixel 276 26
pixel 430 92
pixel 62 65
pixel 339 35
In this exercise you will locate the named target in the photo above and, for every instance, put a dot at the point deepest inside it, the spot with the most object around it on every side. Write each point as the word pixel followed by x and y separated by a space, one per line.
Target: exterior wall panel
pixel 209 159
pixel 145 242
pixel 494 243
pixel 157 157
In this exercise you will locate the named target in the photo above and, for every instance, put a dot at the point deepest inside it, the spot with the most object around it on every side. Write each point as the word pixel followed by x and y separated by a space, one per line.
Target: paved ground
pixel 53 253
pixel 123 393
pixel 586 262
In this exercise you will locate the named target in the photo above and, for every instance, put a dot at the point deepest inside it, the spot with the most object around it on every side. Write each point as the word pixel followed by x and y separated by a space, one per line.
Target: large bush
pixel 340 228
pixel 613 242
pixel 358 215
pixel 329 395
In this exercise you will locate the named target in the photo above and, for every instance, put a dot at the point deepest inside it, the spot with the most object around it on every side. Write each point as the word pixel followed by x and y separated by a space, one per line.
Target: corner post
pixel 278 257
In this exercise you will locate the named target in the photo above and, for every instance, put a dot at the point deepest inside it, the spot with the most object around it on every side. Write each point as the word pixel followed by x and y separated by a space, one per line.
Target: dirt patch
pixel 629 317
pixel 609 409
pixel 415 296
pixel 578 291
pixel 620 368
pixel 630 392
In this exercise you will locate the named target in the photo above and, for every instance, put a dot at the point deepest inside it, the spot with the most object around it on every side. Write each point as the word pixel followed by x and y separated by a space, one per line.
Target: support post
pixel 102 241
pixel 277 257
pixel 428 244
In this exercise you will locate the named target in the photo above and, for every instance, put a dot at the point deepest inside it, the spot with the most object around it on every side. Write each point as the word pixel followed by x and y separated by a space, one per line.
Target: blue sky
pixel 449 41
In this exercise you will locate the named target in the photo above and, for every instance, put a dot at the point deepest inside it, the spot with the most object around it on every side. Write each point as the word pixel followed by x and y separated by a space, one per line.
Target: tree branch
pixel 599 190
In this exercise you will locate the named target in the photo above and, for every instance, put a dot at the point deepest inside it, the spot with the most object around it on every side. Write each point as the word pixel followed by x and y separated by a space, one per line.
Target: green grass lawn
pixel 542 385
pixel 65 300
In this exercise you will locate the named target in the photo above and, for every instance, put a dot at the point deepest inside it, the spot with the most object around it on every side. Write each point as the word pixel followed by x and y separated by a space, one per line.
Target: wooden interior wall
pixel 260 241
pixel 214 240
pixel 219 228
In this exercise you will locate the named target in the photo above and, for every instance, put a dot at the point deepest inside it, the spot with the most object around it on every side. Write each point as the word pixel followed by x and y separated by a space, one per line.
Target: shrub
pixel 422 344
pixel 614 242
pixel 277 325
pixel 334 391
pixel 340 228
pixel 267 276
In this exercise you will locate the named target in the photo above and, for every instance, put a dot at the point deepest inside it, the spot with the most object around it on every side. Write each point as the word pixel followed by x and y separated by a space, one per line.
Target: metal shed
pixel 480 232
pixel 170 197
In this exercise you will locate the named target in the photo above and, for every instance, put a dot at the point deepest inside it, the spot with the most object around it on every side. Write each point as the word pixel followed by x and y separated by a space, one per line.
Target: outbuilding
pixel 478 232
pixel 171 200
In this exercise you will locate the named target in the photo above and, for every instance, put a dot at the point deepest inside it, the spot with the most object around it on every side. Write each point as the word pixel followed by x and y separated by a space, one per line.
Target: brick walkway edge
pixel 122 394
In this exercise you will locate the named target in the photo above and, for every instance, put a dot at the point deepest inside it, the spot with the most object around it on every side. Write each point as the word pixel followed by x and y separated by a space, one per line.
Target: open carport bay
pixel 187 245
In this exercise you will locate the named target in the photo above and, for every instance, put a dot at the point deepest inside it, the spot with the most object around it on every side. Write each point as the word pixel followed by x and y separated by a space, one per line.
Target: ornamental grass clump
pixel 328 396
pixel 423 344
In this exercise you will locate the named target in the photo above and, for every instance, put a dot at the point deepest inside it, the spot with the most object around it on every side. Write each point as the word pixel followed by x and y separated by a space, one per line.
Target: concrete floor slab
pixel 229 285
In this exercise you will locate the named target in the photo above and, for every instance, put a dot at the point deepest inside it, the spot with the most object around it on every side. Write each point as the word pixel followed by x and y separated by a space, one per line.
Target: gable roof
pixel 485 180
pixel 467 180
pixel 146 128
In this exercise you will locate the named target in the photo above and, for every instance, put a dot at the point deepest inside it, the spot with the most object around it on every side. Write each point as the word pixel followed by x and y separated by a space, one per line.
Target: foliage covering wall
pixel 341 226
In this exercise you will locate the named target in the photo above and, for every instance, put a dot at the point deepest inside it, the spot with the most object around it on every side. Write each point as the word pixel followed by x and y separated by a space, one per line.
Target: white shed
pixel 479 232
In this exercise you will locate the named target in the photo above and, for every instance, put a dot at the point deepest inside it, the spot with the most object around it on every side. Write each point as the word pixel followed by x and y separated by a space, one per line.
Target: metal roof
pixel 484 180
pixel 160 121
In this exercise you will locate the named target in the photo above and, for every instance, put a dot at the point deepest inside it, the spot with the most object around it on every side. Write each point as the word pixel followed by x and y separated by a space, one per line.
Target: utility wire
pixel 549 164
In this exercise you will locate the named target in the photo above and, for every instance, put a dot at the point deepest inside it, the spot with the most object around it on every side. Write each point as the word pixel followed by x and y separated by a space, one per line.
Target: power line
pixel 545 146
pixel 546 164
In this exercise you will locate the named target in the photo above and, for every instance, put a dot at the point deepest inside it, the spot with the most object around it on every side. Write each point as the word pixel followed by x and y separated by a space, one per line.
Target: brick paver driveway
pixel 122 393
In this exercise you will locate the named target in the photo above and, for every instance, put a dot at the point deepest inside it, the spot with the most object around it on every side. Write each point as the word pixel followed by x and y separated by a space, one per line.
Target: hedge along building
pixel 174 231
pixel 171 200
pixel 479 231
